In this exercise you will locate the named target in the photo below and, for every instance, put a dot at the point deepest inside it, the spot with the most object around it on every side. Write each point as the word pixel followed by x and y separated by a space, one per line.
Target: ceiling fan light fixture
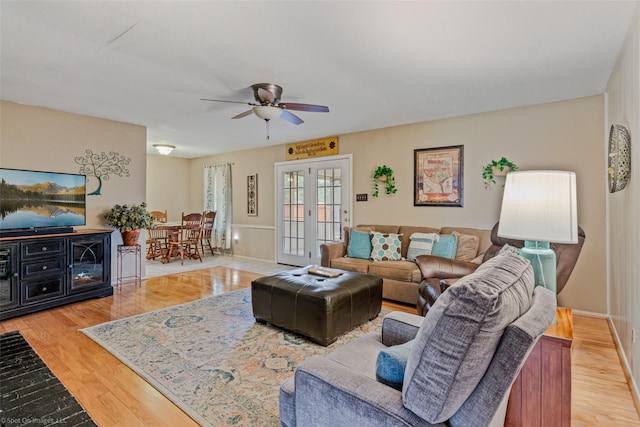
pixel 164 149
pixel 267 112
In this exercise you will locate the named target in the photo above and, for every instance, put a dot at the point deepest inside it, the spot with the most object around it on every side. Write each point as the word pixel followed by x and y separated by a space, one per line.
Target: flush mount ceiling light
pixel 164 149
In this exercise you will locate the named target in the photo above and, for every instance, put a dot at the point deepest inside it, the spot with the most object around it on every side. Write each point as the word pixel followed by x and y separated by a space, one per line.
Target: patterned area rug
pixel 212 359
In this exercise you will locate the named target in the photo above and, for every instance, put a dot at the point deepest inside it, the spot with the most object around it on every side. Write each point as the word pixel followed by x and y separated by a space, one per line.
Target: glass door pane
pixel 8 276
pixel 87 263
pixel 313 207
pixel 293 208
pixel 329 206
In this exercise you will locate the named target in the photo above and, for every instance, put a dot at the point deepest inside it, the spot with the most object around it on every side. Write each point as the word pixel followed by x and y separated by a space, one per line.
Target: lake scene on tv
pixel 32 199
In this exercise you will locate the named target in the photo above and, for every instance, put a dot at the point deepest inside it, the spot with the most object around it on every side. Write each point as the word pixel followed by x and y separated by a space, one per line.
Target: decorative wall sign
pixel 102 166
pixel 619 171
pixel 317 148
pixel 438 176
pixel 252 195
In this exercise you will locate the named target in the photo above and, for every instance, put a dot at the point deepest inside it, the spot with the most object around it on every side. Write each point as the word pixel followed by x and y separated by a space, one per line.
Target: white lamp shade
pixel 266 112
pixel 540 206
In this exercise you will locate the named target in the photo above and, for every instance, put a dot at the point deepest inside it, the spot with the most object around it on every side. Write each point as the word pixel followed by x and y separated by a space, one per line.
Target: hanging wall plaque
pixel 252 195
pixel 619 170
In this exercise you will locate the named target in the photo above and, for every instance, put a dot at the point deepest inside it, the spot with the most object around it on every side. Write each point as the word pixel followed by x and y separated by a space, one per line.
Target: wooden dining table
pixel 173 235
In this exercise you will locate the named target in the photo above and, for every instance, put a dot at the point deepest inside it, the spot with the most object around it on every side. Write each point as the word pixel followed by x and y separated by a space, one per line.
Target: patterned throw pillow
pixel 421 244
pixel 508 249
pixel 446 246
pixel 385 246
pixel 359 244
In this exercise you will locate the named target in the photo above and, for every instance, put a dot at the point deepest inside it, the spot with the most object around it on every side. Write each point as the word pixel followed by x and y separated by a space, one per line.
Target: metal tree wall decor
pixel 102 166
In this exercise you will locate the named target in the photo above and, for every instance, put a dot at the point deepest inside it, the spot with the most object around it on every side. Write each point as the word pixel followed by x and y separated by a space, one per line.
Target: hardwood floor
pixel 600 392
pixel 116 396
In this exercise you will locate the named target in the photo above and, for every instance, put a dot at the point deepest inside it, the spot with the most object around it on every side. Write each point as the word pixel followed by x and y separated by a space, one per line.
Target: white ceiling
pixel 375 64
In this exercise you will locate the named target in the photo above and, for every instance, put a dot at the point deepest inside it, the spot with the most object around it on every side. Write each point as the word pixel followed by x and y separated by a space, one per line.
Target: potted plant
pixel 384 174
pixel 496 168
pixel 129 219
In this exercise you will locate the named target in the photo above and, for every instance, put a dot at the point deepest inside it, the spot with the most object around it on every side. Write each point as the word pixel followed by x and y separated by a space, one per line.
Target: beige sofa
pixel 400 278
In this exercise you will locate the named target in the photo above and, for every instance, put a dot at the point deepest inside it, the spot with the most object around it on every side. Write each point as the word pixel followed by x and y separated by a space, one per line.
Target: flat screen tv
pixel 34 202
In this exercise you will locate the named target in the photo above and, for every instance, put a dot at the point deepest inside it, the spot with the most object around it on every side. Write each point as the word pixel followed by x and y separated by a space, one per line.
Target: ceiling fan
pixel 268 105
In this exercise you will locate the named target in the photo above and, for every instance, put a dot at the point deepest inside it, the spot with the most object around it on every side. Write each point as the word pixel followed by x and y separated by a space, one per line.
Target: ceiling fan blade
pixel 223 100
pixel 291 118
pixel 265 96
pixel 241 115
pixel 304 107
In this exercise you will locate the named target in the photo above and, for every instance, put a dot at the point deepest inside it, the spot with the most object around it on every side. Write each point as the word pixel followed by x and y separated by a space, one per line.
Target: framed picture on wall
pixel 252 195
pixel 438 176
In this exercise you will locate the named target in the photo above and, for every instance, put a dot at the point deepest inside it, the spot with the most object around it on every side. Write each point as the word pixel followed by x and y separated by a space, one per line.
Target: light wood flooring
pixel 116 396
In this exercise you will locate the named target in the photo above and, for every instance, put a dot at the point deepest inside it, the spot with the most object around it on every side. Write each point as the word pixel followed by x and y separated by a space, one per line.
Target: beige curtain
pixel 217 197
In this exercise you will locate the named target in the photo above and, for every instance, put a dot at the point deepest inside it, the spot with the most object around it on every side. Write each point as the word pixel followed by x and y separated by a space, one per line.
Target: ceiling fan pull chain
pixel 267 129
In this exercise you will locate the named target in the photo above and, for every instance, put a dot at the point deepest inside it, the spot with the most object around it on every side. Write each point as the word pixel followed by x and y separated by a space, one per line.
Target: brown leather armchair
pixel 440 273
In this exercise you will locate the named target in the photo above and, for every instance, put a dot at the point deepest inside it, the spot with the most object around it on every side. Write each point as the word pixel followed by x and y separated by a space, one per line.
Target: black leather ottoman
pixel 317 307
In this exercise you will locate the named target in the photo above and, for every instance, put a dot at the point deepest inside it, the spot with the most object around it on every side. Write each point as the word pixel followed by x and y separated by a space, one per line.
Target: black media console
pixel 40 272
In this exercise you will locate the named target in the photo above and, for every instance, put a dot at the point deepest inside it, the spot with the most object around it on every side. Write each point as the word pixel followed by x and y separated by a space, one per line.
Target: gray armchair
pixel 464 356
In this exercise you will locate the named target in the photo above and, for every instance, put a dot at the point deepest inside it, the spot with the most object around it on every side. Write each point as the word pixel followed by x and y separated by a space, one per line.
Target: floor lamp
pixel 540 207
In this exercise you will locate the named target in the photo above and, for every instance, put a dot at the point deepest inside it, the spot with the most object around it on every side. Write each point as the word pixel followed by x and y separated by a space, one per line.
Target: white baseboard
pixel 626 367
pixel 270 261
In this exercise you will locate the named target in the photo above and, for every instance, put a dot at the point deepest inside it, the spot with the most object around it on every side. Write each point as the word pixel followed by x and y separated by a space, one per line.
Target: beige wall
pixel 564 135
pixel 539 137
pixel 49 140
pixel 168 185
pixel 253 235
pixel 623 222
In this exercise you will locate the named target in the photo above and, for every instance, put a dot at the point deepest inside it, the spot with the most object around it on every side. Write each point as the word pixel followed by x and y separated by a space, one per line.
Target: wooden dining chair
pixel 208 219
pixel 192 219
pixel 185 243
pixel 159 217
pixel 157 240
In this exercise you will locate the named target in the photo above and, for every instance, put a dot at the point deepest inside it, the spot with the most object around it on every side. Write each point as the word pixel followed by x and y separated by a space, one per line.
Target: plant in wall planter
pixel 384 174
pixel 497 168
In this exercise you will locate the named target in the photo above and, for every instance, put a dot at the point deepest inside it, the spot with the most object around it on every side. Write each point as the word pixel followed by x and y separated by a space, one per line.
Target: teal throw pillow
pixel 391 364
pixel 446 246
pixel 359 244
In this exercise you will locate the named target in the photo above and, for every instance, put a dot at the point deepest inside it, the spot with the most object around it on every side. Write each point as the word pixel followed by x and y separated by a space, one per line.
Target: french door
pixel 313 202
